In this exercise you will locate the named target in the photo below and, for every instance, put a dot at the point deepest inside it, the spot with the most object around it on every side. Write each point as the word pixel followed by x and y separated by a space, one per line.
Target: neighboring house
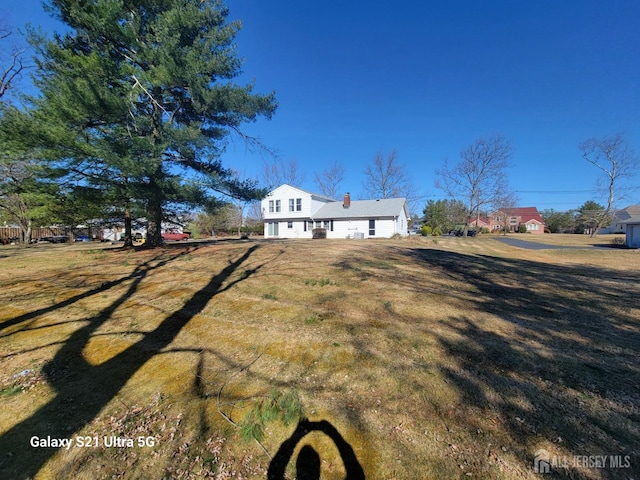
pixel 114 230
pixel 290 212
pixel 620 219
pixel 416 225
pixel 514 217
pixel 480 223
pixel 115 233
pixel 632 231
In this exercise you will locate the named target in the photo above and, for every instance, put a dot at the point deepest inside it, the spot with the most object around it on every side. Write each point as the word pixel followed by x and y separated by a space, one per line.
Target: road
pixel 516 242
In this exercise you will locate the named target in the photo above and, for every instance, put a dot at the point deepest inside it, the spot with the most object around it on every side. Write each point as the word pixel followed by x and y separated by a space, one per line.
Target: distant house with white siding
pixel 620 219
pixel 632 232
pixel 291 212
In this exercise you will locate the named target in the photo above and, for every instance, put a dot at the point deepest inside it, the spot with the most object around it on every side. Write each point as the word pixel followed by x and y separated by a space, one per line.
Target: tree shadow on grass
pixel 142 270
pixel 82 389
pixel 565 373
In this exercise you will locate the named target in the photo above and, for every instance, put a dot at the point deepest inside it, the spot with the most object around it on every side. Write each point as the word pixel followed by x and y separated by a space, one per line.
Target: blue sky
pixel 427 78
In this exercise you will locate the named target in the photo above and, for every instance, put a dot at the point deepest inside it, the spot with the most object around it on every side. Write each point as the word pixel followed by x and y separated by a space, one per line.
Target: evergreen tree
pixel 589 215
pixel 137 100
pixel 27 198
pixel 559 222
pixel 444 214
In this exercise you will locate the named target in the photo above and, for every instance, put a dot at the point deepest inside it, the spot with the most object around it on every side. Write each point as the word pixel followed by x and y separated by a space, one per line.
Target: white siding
pixel 384 228
pixel 346 228
pixel 633 235
pixel 283 194
pixel 296 230
pixel 342 228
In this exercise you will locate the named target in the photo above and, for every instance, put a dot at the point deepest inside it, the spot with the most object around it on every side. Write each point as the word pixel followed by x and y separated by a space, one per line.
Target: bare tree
pixel 329 180
pixel 254 212
pixel 386 177
pixel 613 156
pixel 14 64
pixel 479 179
pixel 279 172
pixel 504 204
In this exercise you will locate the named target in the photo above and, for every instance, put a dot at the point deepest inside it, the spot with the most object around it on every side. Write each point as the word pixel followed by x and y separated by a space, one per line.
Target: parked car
pixel 176 236
pixel 137 237
pixel 55 239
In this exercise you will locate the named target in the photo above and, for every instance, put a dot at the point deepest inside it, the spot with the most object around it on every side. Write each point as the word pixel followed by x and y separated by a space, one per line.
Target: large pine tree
pixel 138 99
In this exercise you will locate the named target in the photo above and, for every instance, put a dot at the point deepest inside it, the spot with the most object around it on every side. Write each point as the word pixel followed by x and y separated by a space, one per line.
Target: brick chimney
pixel 346 203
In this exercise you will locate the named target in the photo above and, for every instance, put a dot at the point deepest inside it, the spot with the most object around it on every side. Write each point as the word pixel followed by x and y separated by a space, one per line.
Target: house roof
pixel 628 213
pixel 635 219
pixel 313 194
pixel 525 213
pixel 388 207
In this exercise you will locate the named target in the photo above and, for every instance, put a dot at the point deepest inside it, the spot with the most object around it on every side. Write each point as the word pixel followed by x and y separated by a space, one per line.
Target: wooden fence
pixel 14 234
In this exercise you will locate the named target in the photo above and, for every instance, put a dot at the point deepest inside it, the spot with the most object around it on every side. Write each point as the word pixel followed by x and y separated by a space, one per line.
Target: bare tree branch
pixel 329 180
pixel 480 178
pixel 15 66
pixel 279 172
pixel 613 157
pixel 386 177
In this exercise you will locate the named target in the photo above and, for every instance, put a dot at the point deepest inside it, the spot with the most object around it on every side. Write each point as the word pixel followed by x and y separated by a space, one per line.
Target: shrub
pixel 437 232
pixel 285 407
pixel 425 230
pixel 319 233
pixel 522 228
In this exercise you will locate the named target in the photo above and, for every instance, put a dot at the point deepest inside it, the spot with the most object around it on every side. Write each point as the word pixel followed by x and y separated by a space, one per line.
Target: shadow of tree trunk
pixel 82 390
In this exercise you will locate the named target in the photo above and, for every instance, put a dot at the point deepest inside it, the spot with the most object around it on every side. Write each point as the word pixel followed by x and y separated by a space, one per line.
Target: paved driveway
pixel 516 242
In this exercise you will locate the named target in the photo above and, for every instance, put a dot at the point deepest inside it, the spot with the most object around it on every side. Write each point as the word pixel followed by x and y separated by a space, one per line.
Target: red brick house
pixel 514 217
pixel 480 223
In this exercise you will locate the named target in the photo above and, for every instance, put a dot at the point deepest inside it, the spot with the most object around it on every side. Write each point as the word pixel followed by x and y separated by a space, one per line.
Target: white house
pixel 620 219
pixel 291 212
pixel 632 231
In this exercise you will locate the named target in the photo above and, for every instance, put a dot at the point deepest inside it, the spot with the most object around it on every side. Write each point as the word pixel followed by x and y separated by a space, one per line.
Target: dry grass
pixel 453 358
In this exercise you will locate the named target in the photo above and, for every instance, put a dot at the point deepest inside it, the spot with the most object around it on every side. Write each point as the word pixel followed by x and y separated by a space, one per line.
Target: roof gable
pixel 627 213
pixel 525 213
pixel 286 186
